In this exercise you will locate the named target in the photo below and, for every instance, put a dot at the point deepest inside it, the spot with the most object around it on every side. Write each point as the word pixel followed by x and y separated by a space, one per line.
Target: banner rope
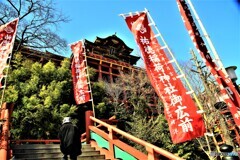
pixel 212 48
pixel 88 78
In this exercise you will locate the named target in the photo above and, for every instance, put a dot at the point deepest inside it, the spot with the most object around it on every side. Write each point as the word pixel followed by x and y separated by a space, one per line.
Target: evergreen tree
pixel 41 94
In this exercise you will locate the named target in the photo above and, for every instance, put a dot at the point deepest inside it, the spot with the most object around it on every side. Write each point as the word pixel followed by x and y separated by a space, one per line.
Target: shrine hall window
pixel 94 78
pixel 115 71
pixel 106 77
pixel 106 69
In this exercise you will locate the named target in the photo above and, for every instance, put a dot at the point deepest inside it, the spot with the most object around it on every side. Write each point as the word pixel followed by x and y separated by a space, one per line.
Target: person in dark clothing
pixel 70 142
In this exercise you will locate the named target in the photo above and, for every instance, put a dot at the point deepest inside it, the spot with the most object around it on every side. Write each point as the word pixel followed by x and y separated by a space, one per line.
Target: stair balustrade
pixel 106 140
pixel 103 139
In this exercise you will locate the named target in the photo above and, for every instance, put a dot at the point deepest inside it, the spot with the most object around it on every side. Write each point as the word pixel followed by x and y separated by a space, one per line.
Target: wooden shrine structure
pixel 109 55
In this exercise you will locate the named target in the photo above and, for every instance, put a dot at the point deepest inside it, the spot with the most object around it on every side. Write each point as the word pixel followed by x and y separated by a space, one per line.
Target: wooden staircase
pixel 51 152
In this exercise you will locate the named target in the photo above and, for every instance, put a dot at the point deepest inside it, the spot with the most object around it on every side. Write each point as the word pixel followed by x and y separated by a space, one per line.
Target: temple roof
pixel 40 56
pixel 112 47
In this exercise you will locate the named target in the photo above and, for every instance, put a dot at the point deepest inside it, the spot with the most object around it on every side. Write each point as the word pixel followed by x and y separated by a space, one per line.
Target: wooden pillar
pixel 89 122
pixel 100 70
pixel 10 107
pixel 151 154
pixel 4 132
pixel 110 75
pixel 111 145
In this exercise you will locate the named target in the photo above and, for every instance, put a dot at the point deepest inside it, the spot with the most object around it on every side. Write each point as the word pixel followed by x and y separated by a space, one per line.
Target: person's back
pixel 69 136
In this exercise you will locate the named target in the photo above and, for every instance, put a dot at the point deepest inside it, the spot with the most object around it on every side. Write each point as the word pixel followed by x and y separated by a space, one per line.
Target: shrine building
pixel 109 55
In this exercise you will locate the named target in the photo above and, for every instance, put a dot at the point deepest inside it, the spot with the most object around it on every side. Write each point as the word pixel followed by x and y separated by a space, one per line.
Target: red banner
pixel 80 82
pixel 228 90
pixel 180 110
pixel 7 37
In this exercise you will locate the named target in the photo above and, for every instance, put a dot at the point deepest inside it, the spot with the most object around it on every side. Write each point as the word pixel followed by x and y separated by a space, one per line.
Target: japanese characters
pixel 80 83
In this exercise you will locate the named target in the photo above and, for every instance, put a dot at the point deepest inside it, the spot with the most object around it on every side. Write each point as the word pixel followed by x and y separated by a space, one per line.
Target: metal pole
pixel 217 58
pixel 4 132
pixel 87 72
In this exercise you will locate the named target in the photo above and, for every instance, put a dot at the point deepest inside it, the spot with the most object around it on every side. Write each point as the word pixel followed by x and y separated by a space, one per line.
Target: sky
pixel 91 18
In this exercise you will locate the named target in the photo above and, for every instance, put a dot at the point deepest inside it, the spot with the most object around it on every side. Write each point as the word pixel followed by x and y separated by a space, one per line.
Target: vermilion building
pixel 109 55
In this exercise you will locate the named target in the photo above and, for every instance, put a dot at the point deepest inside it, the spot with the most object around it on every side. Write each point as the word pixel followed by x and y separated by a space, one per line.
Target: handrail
pixel 45 141
pixel 151 149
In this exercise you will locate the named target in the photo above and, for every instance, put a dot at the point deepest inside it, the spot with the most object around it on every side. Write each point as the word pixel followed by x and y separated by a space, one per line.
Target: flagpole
pixel 90 88
pixel 217 58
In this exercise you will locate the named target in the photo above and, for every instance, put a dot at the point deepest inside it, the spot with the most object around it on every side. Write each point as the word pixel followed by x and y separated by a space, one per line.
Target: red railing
pixel 109 133
pixel 35 141
pixel 7 152
pixel 153 152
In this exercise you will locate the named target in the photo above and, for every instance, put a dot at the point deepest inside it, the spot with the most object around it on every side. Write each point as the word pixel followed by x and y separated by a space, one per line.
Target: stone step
pixel 33 151
pixel 59 158
pixel 53 154
pixel 46 150
pixel 34 146
pixel 51 151
pixel 37 155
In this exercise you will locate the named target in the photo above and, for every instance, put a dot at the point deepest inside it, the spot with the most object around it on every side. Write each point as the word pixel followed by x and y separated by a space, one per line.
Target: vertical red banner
pixel 7 37
pixel 227 89
pixel 180 110
pixel 80 82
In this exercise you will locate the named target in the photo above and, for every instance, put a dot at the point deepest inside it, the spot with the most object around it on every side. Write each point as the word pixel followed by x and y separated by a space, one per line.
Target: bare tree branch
pixel 14 7
pixel 38 22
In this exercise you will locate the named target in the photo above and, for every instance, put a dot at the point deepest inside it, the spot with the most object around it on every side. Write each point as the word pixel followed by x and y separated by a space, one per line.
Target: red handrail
pixel 47 141
pixel 152 150
pixel 44 141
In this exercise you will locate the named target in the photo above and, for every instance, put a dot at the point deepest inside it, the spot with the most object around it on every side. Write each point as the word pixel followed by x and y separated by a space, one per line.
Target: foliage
pixel 103 110
pixel 38 23
pixel 103 107
pixel 41 94
pixel 207 91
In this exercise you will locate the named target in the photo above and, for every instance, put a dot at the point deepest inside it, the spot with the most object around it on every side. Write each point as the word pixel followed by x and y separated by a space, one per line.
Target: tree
pixel 38 23
pixel 104 109
pixel 42 97
pixel 207 92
